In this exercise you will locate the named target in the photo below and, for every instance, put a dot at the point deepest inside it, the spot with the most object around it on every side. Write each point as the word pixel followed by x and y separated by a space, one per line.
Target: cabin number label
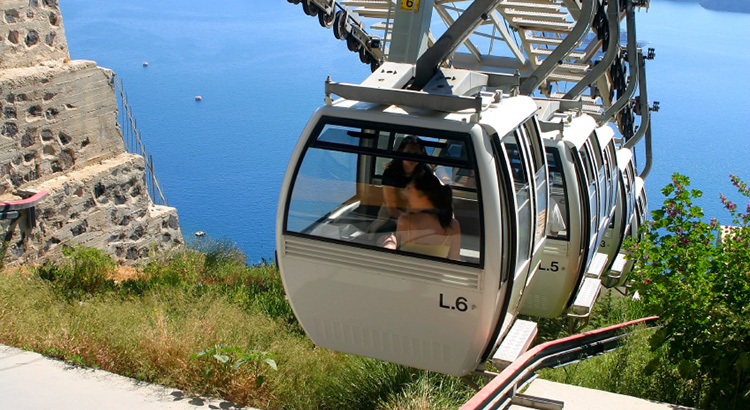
pixel 410 5
pixel 553 267
pixel 461 304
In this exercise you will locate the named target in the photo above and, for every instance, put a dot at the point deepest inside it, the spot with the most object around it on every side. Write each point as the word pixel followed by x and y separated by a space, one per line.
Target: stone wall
pixel 104 205
pixel 55 116
pixel 59 132
pixel 32 32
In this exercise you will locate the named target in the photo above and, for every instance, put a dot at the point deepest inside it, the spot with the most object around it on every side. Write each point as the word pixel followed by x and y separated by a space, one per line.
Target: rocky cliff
pixel 59 133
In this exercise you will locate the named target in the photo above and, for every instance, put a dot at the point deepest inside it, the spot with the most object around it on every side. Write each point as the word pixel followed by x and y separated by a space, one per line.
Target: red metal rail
pixel 497 394
pixel 6 206
pixel 23 211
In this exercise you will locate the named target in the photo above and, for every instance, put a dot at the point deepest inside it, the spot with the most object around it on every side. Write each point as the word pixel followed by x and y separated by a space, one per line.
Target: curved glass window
pixel 531 129
pixel 558 217
pixel 354 185
pixel 521 187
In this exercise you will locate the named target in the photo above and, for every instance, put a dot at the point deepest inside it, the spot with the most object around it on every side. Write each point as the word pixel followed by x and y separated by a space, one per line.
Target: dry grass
pixel 149 338
pixel 148 323
pixel 124 272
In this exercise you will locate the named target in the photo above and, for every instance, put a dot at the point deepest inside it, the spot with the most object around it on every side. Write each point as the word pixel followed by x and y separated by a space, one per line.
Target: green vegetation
pixel 698 281
pixel 203 321
pixel 621 371
pixel 699 285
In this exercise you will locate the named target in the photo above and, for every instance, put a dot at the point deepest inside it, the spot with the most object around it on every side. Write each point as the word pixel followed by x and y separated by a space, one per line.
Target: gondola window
pixel 338 190
pixel 558 195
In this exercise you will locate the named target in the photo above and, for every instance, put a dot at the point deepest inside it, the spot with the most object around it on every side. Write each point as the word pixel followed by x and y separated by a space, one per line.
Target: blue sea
pixel 260 67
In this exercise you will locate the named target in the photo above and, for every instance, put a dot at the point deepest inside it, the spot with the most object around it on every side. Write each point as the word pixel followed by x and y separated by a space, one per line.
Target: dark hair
pixel 397 165
pixel 441 196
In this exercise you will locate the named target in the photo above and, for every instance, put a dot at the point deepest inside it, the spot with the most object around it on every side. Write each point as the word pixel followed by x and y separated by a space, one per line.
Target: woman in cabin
pixel 428 227
pixel 396 176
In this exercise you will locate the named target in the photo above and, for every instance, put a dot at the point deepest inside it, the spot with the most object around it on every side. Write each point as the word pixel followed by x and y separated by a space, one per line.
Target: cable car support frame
pixel 557 30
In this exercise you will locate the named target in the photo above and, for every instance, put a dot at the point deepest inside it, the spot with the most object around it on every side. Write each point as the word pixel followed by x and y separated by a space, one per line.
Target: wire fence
pixel 134 144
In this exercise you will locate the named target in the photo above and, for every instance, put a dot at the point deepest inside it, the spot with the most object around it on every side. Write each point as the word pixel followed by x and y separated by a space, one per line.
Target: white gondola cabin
pixel 583 188
pixel 352 294
pixel 623 223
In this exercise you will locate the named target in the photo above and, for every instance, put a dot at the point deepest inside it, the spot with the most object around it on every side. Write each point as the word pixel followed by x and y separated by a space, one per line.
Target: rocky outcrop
pixel 59 132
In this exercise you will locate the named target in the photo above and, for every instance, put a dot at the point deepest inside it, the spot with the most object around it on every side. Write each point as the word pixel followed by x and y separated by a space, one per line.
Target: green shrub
pixel 699 285
pixel 176 269
pixel 83 271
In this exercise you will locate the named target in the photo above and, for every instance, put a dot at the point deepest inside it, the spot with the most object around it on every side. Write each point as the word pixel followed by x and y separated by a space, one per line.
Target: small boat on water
pixel 200 234
pixel 198 98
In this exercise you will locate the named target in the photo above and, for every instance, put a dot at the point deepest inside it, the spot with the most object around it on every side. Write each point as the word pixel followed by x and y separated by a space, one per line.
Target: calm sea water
pixel 260 68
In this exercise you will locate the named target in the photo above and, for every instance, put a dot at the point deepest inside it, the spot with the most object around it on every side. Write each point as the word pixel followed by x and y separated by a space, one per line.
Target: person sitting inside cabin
pixel 396 176
pixel 428 227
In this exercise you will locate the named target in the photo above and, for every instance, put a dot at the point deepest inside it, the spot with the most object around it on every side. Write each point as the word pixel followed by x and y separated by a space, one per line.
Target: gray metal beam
pixel 429 62
pixel 410 31
pixel 582 25
pixel 405 98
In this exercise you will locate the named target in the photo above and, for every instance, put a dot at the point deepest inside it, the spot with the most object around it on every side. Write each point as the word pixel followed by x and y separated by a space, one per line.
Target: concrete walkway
pixel 581 398
pixel 31 381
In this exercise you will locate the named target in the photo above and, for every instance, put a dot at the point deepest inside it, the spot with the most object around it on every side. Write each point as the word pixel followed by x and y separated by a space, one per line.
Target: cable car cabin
pixel 641 208
pixel 623 224
pixel 583 188
pixel 412 305
pixel 621 268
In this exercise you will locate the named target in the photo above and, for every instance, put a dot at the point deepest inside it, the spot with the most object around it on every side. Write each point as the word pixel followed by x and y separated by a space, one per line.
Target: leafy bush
pixel 83 271
pixel 696 277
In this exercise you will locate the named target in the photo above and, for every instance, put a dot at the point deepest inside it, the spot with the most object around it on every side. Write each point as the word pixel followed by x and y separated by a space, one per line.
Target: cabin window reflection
pixel 558 215
pixel 326 181
pixel 588 164
pixel 531 130
pixel 522 190
pixel 346 174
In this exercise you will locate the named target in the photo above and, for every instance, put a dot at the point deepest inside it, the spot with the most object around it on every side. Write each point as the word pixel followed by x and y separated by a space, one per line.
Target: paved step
pixel 587 294
pixel 573 78
pixel 373 13
pixel 552 41
pixel 374 4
